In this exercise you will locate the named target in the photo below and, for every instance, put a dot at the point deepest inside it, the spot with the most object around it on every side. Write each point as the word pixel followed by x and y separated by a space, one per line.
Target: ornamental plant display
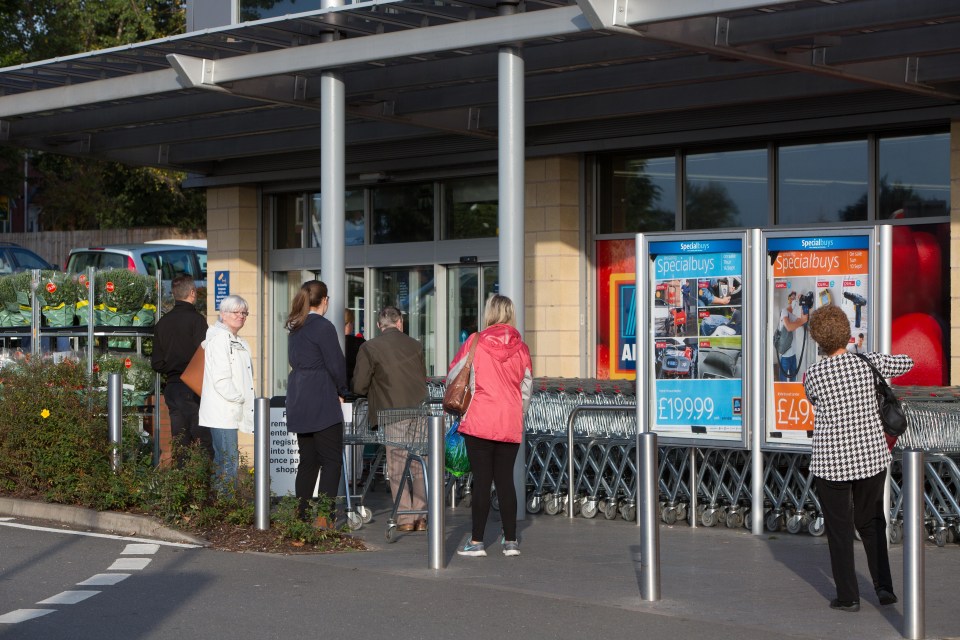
pixel 10 315
pixel 121 290
pixel 58 293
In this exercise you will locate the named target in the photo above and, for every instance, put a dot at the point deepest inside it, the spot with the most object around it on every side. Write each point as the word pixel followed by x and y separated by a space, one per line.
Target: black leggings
pixel 492 462
pixel 319 450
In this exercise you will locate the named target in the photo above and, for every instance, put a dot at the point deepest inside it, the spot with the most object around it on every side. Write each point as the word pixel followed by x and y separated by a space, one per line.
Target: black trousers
pixel 849 504
pixel 321 452
pixel 184 407
pixel 492 462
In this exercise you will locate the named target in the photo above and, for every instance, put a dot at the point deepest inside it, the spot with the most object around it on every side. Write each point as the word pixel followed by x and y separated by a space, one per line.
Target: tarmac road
pixel 575 579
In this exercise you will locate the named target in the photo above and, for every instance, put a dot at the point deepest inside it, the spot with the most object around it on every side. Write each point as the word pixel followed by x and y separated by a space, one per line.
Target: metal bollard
pixel 692 511
pixel 115 417
pixel 261 463
pixel 435 492
pixel 647 495
pixel 914 537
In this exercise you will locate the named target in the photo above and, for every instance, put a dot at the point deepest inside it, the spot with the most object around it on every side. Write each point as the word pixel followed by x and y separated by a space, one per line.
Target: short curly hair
pixel 830 328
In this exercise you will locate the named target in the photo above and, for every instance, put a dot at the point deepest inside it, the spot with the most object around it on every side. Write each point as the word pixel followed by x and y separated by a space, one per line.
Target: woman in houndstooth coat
pixel 850 454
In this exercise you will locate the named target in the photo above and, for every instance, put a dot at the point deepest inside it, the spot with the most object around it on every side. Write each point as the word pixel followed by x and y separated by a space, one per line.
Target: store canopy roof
pixel 242 102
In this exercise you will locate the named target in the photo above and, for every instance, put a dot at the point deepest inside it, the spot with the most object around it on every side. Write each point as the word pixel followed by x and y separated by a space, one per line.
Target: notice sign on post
pixel 806 273
pixel 284 452
pixel 221 287
pixel 696 298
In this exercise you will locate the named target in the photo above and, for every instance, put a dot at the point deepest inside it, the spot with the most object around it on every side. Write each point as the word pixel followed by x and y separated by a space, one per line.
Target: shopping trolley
pixel 357 435
pixel 933 424
pixel 407 429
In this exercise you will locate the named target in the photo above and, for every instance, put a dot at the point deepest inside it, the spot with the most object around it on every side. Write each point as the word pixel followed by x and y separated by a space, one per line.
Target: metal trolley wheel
pixel 391 533
pixel 365 514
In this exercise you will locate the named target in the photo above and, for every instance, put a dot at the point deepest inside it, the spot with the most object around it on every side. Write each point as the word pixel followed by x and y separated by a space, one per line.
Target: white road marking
pixel 129 564
pixel 69 597
pixel 20 615
pixel 6 519
pixel 139 549
pixel 102 579
pixel 109 536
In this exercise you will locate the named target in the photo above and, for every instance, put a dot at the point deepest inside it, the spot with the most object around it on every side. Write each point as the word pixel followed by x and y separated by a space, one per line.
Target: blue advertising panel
pixel 696 298
pixel 221 287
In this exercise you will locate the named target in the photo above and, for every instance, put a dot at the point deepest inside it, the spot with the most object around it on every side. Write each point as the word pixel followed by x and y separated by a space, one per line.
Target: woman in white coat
pixel 226 404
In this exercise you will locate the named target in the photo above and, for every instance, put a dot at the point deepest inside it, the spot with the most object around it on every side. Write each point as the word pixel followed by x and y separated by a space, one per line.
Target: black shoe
pixel 886 597
pixel 845 606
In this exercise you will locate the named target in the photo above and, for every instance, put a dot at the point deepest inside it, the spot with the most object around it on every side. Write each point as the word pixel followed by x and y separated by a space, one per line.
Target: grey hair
pixel 389 317
pixel 233 303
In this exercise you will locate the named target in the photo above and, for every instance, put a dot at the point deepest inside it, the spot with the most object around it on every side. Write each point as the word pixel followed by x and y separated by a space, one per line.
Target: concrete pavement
pixel 727 582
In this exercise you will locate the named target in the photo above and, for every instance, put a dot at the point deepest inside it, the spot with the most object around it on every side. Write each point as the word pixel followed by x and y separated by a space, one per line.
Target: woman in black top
pixel 850 454
pixel 315 390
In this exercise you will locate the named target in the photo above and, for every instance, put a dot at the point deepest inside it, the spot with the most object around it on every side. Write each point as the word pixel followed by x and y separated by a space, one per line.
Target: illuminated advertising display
pixel 806 273
pixel 696 300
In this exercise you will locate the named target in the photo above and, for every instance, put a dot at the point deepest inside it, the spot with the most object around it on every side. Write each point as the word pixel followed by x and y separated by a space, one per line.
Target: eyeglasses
pixel 241 313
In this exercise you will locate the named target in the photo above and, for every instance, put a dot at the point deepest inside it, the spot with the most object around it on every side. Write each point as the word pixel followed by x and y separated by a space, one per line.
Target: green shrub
pixel 54 439
pixel 129 290
pixel 66 289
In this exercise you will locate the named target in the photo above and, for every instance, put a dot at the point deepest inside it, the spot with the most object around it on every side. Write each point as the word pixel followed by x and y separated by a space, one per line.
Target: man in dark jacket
pixel 175 339
pixel 391 372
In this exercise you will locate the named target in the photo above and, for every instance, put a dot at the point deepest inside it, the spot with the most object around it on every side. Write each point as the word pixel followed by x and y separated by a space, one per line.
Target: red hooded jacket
pixel 501 383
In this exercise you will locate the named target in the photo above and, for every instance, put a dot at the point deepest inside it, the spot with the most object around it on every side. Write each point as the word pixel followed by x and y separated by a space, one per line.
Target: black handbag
pixel 891 411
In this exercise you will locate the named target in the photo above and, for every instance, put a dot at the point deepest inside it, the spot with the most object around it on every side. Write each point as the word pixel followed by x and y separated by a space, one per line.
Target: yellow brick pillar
pixel 232 247
pixel 552 265
pixel 954 360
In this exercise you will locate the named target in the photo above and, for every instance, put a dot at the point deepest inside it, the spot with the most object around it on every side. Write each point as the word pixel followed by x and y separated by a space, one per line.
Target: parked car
pixel 14 258
pixel 171 260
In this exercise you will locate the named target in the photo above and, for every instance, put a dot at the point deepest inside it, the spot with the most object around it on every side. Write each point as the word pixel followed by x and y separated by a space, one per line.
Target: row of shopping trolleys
pixel 605 473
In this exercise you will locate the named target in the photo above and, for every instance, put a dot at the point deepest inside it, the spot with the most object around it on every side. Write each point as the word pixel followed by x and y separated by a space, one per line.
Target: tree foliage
pixel 84 193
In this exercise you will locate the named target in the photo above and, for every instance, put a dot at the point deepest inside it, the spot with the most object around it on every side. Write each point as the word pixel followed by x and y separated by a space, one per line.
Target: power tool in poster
pixel 859 302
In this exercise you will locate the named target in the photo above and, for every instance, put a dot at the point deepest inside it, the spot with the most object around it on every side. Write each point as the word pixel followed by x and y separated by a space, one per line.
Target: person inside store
pixel 351 344
pixel 791 320
pixel 315 390
pixel 492 427
pixel 392 374
pixel 176 337
pixel 850 454
pixel 226 401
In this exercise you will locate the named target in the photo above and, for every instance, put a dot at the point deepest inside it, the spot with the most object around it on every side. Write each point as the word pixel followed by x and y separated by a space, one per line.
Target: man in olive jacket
pixel 391 372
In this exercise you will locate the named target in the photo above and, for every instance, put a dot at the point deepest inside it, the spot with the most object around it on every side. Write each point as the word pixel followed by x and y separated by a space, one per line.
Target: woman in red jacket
pixel 492 428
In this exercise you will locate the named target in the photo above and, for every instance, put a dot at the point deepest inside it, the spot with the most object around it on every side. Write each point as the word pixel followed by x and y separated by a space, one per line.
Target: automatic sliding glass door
pixel 468 287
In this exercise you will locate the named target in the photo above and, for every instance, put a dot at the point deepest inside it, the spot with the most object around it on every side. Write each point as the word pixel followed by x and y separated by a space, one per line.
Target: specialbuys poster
pixel 696 311
pixel 808 273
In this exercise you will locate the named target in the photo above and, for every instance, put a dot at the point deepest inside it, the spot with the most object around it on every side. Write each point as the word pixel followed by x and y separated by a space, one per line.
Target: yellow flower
pixel 45 414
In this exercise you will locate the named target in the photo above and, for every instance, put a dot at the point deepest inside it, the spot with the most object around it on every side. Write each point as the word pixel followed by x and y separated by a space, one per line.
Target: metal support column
pixel 692 511
pixel 883 321
pixel 333 185
pixel 435 492
pixel 261 463
pixel 511 152
pixel 753 334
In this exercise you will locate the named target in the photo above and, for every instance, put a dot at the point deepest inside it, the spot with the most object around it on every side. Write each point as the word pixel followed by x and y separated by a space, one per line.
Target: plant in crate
pixel 120 295
pixel 22 288
pixel 136 376
pixel 147 314
pixel 58 293
pixel 9 307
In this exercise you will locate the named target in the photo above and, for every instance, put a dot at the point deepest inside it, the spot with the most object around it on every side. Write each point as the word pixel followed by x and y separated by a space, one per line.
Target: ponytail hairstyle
pixel 311 294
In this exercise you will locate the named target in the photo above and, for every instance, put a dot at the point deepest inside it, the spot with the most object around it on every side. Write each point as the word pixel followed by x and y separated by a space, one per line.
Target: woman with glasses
pixel 315 390
pixel 226 404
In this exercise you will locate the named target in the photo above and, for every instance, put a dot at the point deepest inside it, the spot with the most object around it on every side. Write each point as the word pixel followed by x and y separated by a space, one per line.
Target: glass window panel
pixel 353 229
pixel 637 194
pixel 259 9
pixel 285 287
pixel 726 189
pixel 412 290
pixel 355 300
pixel 914 177
pixel 822 183
pixel 288 220
pixel 403 213
pixel 470 208
pixel 353 225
